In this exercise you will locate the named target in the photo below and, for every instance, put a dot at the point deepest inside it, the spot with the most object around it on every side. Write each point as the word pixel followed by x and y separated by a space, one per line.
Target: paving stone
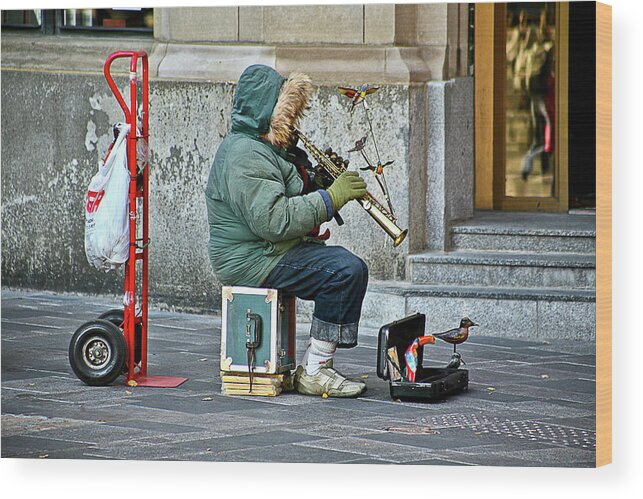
pixel 549 393
pixel 168 428
pixel 371 448
pixel 559 456
pixel 368 461
pixel 194 405
pixel 481 457
pixel 574 385
pixel 282 453
pixel 541 408
pixel 335 429
pixel 455 438
pixel 498 396
pixel 438 462
pixel 21 425
pixel 98 434
pixel 581 369
pixel 143 452
pixel 33 446
pixel 585 423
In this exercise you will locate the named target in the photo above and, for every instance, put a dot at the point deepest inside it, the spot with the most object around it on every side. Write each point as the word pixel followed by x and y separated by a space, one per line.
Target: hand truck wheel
pixel 97 352
pixel 116 317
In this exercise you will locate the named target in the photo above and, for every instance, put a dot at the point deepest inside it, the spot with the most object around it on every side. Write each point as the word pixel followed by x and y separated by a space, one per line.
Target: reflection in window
pixel 530 104
pixel 22 18
pixel 122 18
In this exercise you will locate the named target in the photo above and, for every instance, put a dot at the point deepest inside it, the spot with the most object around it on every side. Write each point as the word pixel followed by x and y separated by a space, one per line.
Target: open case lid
pixel 399 334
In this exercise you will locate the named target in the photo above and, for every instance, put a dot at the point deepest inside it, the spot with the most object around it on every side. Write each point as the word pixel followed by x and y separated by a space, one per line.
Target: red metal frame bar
pixel 136 190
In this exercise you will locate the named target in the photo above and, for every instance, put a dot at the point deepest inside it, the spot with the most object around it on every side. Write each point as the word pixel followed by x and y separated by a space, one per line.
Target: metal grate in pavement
pixel 529 430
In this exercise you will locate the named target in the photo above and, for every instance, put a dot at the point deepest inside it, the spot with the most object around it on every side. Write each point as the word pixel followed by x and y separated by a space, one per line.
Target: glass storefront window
pixel 103 20
pixel 22 18
pixel 530 105
pixel 119 19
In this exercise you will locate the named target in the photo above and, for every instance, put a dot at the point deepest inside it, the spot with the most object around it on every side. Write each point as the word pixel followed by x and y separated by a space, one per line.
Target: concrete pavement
pixel 529 403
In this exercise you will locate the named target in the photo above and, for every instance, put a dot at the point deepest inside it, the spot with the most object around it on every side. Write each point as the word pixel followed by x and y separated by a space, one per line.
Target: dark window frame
pixel 52 24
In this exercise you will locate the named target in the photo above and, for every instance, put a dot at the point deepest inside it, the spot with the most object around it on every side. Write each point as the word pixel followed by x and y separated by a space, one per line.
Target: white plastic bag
pixel 106 208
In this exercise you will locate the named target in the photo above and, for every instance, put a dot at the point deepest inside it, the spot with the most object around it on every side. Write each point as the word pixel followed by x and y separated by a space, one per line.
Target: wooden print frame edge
pixel 603 234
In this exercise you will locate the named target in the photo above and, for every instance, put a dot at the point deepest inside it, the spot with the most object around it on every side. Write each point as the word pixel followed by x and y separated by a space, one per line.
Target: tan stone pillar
pixel 197 24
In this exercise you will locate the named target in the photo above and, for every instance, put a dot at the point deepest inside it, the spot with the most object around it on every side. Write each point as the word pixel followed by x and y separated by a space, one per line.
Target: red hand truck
pixel 116 343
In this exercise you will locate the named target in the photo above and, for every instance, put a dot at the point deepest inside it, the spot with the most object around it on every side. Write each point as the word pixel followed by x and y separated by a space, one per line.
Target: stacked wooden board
pixel 266 385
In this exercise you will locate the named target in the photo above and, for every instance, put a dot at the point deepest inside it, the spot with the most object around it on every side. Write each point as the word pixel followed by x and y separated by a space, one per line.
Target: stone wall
pixel 57 111
pixel 56 127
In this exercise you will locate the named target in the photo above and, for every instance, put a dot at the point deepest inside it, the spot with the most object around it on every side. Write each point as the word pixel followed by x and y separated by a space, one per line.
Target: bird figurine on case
pixel 457 335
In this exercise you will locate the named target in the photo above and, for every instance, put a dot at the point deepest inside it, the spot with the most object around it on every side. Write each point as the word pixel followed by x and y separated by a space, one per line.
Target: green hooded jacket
pixel 255 208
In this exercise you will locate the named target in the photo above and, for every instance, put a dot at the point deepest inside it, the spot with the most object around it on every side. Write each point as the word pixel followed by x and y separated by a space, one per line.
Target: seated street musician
pixel 263 216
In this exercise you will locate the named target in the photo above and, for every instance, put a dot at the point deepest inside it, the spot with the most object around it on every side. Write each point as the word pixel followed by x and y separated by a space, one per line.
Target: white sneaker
pixel 327 381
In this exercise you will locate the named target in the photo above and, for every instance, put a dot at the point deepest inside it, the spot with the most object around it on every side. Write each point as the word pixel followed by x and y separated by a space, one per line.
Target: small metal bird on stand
pixel 377 170
pixel 455 361
pixel 359 97
pixel 456 336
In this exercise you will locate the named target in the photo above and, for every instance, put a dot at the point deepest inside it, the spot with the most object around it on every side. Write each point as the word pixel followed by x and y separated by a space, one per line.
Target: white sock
pixel 304 359
pixel 319 353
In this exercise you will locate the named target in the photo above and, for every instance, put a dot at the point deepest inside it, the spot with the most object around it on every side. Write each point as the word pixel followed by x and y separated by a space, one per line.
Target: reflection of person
pixel 537 79
pixel 259 217
pixel 516 38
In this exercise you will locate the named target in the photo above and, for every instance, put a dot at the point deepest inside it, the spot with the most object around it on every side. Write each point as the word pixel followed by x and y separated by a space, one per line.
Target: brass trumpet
pixel 375 209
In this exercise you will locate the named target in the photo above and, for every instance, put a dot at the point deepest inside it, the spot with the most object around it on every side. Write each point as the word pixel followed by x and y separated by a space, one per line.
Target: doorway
pixel 527 121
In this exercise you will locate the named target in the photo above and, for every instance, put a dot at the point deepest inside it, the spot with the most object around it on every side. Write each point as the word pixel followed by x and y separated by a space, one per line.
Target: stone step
pixel 543 313
pixel 504 269
pixel 549 234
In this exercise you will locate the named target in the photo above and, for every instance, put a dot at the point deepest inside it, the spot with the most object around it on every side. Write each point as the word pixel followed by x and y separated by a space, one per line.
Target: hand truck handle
pixel 133 55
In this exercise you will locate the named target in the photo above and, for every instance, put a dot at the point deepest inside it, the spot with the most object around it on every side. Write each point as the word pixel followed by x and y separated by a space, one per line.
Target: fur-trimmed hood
pixel 266 104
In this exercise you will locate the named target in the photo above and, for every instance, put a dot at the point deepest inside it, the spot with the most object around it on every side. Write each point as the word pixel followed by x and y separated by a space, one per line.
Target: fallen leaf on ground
pixel 206 399
pixel 203 360
pixel 43 456
pixel 544 376
pixel 490 388
pixel 324 395
pixel 364 376
pixel 128 392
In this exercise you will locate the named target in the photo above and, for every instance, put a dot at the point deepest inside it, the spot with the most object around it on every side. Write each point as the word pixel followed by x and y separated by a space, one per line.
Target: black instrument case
pixel 432 383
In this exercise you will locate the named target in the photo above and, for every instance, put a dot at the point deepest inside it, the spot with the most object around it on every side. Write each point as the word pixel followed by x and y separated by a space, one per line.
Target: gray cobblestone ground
pixel 529 403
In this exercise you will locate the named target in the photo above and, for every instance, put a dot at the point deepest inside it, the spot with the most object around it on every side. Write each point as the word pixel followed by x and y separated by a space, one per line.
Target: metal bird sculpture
pixel 359 144
pixel 377 170
pixel 457 335
pixel 357 96
pixel 456 360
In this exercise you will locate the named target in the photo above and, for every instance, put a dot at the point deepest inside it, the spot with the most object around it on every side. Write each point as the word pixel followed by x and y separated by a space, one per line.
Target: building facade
pixel 451 112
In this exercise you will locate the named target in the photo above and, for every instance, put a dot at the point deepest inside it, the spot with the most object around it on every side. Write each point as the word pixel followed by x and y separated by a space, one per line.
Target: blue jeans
pixel 331 276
